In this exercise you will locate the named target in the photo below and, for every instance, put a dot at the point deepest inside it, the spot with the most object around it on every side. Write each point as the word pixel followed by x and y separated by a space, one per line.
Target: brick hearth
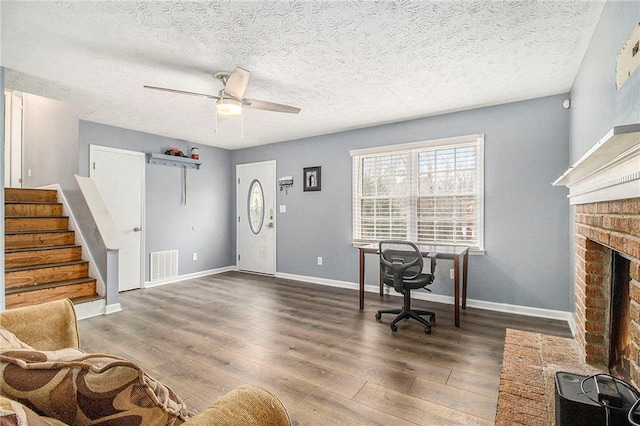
pixel 527 383
pixel 600 227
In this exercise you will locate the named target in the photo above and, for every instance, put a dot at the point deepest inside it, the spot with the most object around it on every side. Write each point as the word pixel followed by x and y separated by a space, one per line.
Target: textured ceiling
pixel 346 64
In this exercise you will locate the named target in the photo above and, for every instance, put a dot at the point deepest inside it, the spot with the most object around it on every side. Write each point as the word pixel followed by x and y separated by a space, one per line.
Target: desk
pixel 442 252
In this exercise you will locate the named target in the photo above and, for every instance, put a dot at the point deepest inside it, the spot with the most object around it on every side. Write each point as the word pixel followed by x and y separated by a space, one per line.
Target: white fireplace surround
pixel 610 170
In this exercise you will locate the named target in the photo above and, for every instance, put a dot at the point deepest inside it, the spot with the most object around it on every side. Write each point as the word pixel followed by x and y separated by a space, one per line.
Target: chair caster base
pixel 403 314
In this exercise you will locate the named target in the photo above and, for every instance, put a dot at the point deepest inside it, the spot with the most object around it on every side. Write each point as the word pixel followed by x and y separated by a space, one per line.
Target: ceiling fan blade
pixel 182 92
pixel 237 83
pixel 270 106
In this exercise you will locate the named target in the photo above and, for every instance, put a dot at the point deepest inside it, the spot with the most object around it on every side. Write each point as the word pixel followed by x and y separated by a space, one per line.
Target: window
pixel 255 206
pixel 429 192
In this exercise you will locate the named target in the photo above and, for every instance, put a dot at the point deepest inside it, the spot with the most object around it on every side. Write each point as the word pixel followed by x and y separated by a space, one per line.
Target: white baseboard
pixel 90 309
pixel 480 304
pixel 110 309
pixel 150 284
pixel 95 308
pixel 316 280
pixel 520 310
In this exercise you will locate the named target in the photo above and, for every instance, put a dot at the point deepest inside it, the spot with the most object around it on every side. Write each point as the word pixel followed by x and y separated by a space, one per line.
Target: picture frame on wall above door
pixel 312 178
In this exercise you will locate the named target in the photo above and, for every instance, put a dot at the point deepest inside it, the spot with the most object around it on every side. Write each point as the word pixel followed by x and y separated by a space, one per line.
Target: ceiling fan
pixel 229 100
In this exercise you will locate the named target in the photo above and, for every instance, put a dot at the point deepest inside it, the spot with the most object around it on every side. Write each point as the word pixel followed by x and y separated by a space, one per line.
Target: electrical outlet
pixel 452 273
pixel 194 256
pixel 319 260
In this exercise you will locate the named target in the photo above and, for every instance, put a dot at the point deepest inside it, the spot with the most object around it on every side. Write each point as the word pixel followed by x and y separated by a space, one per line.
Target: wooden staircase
pixel 42 262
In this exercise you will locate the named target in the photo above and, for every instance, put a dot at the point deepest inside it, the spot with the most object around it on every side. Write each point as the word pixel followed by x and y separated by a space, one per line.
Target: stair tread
pixel 26 249
pixel 33 202
pixel 47 265
pixel 36 217
pixel 16 290
pixel 35 231
pixel 85 299
pixel 30 194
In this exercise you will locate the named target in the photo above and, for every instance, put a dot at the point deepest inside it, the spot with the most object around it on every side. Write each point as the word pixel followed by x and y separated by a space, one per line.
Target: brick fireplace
pixel 600 228
pixel 604 187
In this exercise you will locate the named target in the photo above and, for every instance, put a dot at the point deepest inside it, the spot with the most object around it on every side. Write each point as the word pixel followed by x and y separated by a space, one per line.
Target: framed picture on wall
pixel 312 178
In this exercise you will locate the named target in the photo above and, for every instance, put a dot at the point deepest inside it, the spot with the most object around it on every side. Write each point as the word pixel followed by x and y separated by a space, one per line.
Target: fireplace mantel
pixel 610 170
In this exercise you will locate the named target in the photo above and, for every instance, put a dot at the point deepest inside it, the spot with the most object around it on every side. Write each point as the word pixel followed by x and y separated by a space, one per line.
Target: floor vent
pixel 164 264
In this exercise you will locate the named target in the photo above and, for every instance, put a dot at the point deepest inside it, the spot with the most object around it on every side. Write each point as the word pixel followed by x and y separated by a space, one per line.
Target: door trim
pixel 13 134
pixel 275 232
pixel 143 156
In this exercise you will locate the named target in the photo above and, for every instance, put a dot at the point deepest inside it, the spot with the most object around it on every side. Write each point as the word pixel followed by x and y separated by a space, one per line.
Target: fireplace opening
pixel 620 318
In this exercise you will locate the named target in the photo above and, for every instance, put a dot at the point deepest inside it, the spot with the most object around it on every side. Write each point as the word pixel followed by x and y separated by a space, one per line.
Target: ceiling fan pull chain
pixel 216 131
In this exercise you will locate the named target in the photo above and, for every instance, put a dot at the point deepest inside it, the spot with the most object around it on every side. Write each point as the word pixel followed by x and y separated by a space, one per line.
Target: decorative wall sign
pixel 312 178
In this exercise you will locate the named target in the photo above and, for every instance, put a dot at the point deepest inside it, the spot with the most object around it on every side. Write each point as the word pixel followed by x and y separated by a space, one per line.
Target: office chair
pixel 401 266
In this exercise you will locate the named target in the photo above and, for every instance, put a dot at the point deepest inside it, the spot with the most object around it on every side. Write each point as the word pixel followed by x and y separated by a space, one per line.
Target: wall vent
pixel 164 264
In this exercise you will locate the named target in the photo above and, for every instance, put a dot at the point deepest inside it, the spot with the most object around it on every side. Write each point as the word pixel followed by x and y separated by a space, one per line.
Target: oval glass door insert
pixel 256 207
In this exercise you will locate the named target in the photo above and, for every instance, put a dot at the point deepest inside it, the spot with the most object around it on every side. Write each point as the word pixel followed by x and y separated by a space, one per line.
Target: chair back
pixel 399 260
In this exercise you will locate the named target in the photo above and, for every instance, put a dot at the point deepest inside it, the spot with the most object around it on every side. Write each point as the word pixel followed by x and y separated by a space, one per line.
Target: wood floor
pixel 329 363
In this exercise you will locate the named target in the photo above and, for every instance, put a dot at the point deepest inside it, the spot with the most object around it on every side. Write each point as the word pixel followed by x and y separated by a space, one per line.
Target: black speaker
pixel 577 408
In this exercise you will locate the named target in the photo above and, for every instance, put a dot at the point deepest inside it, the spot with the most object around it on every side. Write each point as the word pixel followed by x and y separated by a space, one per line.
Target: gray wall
pixel 596 105
pixel 50 131
pixel 169 225
pixel 526 219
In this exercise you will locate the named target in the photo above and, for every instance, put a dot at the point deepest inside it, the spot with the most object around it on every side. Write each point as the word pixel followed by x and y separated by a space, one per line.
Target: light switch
pixel 283 208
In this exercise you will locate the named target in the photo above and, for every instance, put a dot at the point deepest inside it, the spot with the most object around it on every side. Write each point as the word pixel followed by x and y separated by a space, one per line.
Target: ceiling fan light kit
pixel 228 107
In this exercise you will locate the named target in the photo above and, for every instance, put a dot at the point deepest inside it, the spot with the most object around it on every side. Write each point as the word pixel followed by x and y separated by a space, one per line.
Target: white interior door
pixel 119 177
pixel 255 201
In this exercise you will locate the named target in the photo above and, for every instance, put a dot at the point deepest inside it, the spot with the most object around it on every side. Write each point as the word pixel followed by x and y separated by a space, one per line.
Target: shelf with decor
pixel 173 161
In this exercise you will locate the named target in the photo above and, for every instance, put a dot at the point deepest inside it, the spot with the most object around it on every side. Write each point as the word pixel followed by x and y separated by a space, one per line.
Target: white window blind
pixel 429 192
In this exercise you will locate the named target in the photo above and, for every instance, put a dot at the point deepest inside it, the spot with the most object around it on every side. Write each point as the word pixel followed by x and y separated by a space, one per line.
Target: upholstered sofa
pixel 47 380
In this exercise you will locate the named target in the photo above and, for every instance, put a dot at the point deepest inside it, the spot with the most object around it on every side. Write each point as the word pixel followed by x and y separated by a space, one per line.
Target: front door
pixel 119 177
pixel 255 201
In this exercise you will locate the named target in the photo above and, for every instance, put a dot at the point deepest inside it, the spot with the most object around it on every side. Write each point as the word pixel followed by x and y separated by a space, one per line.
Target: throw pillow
pixel 8 340
pixel 13 413
pixel 81 389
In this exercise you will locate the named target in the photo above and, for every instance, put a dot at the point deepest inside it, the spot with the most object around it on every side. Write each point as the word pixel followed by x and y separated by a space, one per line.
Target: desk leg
pixel 456 290
pixel 465 263
pixel 361 279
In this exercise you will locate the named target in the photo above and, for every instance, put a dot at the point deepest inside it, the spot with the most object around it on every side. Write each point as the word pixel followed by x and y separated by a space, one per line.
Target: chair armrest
pixel 248 405
pixel 432 258
pixel 47 327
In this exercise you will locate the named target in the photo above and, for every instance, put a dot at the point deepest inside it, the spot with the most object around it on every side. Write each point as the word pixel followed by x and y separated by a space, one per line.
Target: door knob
pixel 137 229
